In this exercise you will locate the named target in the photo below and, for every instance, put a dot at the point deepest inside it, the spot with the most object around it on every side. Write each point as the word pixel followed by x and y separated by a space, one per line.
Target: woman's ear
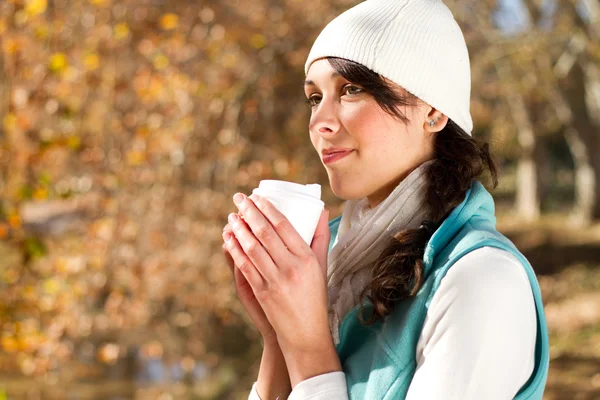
pixel 435 121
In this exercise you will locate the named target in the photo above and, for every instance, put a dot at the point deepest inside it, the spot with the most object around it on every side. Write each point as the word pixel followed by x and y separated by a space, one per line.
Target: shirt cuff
pixel 254 393
pixel 321 387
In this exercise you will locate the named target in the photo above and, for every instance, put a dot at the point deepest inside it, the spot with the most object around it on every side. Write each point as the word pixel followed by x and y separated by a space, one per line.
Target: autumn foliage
pixel 127 125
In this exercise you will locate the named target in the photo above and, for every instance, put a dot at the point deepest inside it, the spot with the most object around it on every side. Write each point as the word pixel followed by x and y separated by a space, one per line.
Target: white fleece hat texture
pixel 416 44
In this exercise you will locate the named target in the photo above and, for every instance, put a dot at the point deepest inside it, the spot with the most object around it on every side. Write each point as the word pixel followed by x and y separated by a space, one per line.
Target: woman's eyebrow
pixel 308 82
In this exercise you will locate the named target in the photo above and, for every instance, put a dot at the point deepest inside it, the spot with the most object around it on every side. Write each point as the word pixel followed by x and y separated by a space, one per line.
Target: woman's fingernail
pixel 227 236
pixel 232 218
pixel 238 198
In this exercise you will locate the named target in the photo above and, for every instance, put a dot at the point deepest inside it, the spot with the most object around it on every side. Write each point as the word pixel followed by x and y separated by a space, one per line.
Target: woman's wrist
pixel 273 380
pixel 303 364
pixel 270 339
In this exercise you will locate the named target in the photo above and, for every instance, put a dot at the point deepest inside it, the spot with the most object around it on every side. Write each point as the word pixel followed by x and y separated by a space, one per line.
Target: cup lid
pixel 312 190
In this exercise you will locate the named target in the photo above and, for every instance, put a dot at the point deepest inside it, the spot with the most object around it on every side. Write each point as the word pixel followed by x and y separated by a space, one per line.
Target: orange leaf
pixel 169 21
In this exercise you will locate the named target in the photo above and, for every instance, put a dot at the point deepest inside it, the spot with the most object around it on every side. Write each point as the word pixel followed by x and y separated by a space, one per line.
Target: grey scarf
pixel 363 234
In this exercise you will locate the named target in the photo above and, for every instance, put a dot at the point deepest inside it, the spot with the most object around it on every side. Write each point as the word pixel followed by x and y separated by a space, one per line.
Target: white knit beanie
pixel 416 44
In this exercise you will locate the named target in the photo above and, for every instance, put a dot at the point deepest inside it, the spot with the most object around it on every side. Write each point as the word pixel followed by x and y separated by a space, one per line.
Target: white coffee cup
pixel 301 204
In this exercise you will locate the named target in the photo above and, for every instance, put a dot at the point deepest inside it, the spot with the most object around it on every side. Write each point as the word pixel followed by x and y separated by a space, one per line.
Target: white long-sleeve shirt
pixel 478 338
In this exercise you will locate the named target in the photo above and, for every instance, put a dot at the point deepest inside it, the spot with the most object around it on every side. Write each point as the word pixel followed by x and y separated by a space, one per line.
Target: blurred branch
pixel 527 201
pixel 565 62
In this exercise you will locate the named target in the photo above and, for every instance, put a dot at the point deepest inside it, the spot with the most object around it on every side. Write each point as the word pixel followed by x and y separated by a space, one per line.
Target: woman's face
pixel 383 149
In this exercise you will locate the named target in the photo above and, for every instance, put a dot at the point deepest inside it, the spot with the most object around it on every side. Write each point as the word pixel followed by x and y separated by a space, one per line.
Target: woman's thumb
pixel 320 242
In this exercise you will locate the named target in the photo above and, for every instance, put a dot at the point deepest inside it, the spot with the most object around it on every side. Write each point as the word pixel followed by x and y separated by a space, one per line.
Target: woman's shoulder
pixel 487 284
pixel 486 266
pixel 483 314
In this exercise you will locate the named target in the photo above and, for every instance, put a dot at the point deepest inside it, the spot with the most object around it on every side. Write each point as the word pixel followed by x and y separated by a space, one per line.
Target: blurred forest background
pixel 127 125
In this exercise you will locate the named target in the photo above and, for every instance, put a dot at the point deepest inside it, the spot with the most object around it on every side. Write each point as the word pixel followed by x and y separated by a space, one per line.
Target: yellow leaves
pixel 62 265
pixel 108 354
pixel 31 10
pixel 40 193
pixel 13 121
pixel 51 286
pixel 121 31
pixel 10 276
pixel 68 108
pixel 4 229
pixel 80 289
pixel 160 62
pixel 153 349
pixel 10 46
pixel 258 41
pixel 142 131
pixel 229 60
pixel 73 142
pixel 207 15
pixel 41 32
pixel 67 265
pixel 145 47
pixel 14 220
pixel 100 3
pixel 281 166
pixel 9 122
pixel 27 366
pixel 22 337
pixel 104 229
pixel 91 61
pixel 169 21
pixel 35 7
pixel 70 74
pixel 149 88
pixel 135 158
pixel 217 32
pixel 29 293
pixel 58 62
pixel 32 341
pixel 186 124
pixel 10 344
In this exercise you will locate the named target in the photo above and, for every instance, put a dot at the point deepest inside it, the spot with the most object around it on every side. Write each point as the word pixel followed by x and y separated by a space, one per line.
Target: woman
pixel 412 293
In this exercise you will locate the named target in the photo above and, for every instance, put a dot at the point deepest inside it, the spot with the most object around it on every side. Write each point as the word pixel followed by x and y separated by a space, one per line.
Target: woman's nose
pixel 324 119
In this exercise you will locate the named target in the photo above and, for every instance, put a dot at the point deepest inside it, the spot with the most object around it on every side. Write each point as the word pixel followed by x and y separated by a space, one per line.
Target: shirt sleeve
pixel 321 387
pixel 478 339
pixel 254 393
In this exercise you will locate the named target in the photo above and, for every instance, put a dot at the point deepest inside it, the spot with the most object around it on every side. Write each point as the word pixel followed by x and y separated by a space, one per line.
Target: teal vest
pixel 380 360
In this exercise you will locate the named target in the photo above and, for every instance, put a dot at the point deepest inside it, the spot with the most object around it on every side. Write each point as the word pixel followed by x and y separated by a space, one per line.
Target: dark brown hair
pixel 459 159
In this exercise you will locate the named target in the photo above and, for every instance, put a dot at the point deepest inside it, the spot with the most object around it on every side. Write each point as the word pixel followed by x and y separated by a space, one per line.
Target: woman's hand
pixel 288 279
pixel 244 291
pixel 273 380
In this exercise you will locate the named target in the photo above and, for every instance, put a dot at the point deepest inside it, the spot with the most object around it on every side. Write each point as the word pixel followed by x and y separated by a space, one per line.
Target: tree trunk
pixel 585 196
pixel 581 90
pixel 527 200
pixel 592 100
pixel 596 205
pixel 582 137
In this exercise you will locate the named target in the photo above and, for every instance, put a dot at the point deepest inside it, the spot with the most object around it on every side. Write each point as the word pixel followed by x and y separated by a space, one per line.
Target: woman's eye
pixel 313 100
pixel 352 90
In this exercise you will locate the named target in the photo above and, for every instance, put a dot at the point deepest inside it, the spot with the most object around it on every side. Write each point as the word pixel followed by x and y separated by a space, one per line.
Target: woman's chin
pixel 346 192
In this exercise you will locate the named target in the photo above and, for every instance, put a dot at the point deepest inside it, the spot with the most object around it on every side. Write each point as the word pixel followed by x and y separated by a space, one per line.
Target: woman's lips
pixel 333 157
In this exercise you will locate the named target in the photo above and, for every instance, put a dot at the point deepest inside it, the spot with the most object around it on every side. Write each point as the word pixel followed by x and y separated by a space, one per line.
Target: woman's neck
pixel 381 194
pixel 375 198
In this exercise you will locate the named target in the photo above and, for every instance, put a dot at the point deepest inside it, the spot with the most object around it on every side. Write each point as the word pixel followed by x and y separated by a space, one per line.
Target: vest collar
pixel 478 202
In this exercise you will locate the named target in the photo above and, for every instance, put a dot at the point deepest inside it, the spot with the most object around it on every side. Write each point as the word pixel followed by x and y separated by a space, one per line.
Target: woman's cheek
pixel 313 140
